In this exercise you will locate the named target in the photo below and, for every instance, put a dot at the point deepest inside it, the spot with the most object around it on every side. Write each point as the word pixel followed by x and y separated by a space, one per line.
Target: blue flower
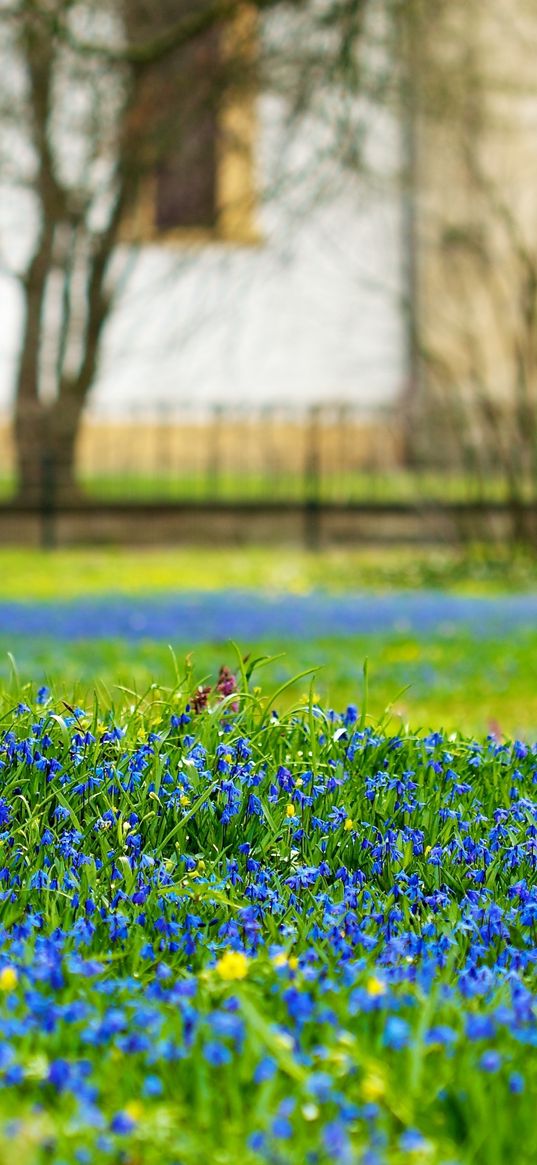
pixel 411 1141
pixel 517 1083
pixel 396 1033
pixel 59 1074
pixel 441 1034
pixel 479 1027
pixel 216 1053
pixel 282 1128
pixel 152 1086
pixel 122 1124
pixel 265 1070
pixel 490 1062
pixel 254 806
pixel 336 1141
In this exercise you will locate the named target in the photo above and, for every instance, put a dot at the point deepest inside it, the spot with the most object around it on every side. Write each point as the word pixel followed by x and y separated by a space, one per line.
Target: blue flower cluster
pixel 229 937
pixel 224 615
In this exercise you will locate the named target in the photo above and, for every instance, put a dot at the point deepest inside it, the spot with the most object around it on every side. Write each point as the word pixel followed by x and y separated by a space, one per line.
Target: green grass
pixel 32 574
pixel 361 977
pixel 225 485
pixel 450 681
pixel 269 482
pixel 385 998
pixel 447 682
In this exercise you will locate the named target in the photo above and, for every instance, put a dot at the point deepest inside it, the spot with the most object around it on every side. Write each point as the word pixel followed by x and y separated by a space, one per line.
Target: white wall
pixel 314 313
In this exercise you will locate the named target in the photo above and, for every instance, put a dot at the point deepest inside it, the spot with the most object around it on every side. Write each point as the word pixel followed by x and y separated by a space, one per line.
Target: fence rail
pixel 322 455
pixel 237 523
pixel 228 453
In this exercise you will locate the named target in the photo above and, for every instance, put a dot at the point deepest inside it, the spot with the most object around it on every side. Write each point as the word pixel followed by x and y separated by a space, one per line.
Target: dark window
pixel 178 118
pixel 186 186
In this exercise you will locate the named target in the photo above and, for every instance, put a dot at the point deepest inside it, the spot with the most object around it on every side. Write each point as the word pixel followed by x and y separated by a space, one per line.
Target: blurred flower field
pixel 266 903
pixel 451 635
pixel 461 662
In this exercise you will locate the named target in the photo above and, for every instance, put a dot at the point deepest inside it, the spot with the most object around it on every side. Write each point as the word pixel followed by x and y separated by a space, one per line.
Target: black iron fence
pixel 323 455
pixel 226 454
pixel 330 453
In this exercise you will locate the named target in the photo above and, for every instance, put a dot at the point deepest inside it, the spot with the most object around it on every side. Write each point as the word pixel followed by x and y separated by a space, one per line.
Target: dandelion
pixel 232 965
pixel 373 1087
pixel 8 979
pixel 375 987
pixel 134 1109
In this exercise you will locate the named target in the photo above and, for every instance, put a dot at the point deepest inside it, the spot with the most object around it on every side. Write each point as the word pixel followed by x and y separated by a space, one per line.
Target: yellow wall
pixel 476 176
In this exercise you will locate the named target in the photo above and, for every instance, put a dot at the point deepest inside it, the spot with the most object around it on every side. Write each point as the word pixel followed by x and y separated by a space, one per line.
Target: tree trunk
pixel 45 438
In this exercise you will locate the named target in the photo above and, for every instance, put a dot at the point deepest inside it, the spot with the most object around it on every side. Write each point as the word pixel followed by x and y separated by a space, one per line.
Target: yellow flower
pixel 349 823
pixel 373 1087
pixel 291 811
pixel 8 979
pixel 232 965
pixel 134 1109
pixel 283 960
pixel 375 987
pixel 184 799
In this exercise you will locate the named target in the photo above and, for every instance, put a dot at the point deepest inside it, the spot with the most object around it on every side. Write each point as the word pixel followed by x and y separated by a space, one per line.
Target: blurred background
pixel 271 252
pixel 268 278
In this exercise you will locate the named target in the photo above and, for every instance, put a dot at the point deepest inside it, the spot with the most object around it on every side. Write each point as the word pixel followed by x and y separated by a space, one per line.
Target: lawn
pixel 276 910
pixel 440 682
pixel 231 936
pixel 422 619
pixel 71 573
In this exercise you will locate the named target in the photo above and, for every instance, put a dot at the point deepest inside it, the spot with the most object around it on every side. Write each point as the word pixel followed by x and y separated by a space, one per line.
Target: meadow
pixel 451 637
pixel 255 911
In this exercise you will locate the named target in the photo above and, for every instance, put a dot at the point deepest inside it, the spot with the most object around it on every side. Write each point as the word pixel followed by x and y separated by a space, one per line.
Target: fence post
pixel 214 460
pixel 161 470
pixel 312 479
pixel 48 502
